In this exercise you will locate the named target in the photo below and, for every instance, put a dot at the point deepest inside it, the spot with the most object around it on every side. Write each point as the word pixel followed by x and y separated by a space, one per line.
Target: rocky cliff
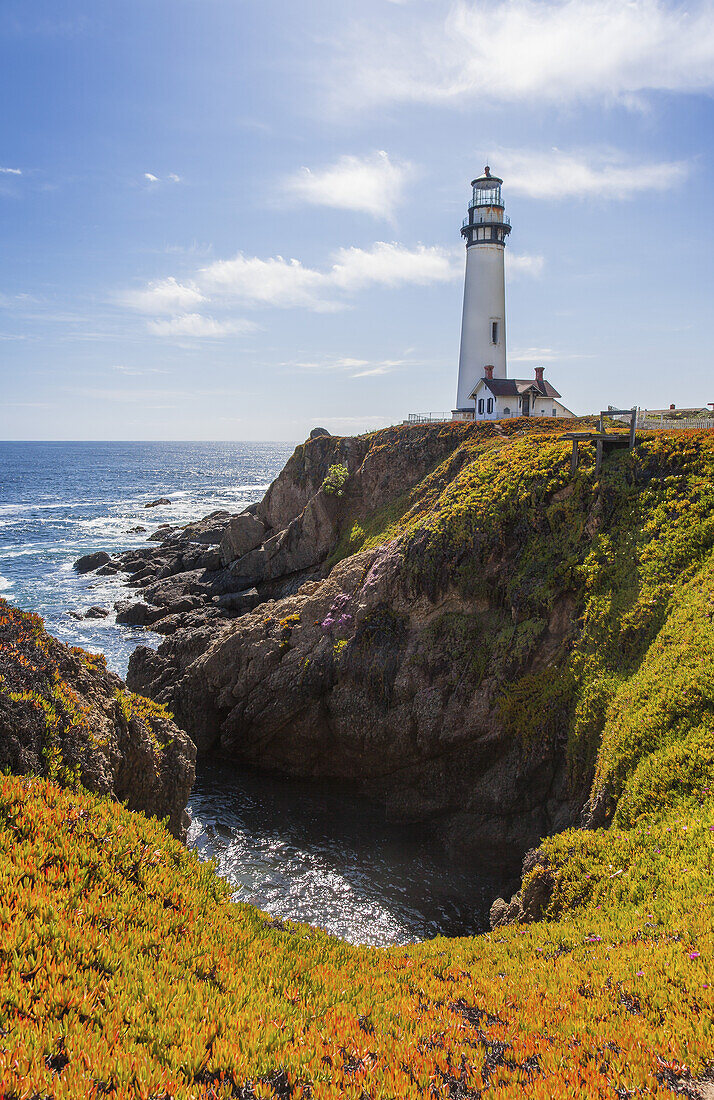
pixel 441 613
pixel 64 716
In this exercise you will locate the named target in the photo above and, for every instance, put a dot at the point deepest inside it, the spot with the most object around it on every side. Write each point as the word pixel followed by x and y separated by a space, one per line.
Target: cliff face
pixel 467 618
pixel 65 717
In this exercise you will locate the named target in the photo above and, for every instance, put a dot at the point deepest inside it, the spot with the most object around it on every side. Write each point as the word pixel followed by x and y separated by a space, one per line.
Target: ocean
pixel 298 849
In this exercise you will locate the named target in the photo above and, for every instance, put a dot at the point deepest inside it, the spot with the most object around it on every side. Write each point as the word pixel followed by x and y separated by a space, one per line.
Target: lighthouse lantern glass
pixel 487 196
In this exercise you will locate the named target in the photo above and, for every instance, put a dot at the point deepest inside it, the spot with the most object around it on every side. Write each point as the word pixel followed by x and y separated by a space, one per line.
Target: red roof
pixel 514 387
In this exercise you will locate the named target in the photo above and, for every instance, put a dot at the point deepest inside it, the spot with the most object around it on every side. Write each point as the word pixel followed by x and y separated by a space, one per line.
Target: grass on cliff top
pixel 126 971
pixel 469 442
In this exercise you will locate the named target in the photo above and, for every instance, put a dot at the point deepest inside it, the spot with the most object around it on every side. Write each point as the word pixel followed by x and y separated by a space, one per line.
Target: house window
pixel 554 412
pixel 494 332
pixel 480 404
pixel 506 410
pixel 489 405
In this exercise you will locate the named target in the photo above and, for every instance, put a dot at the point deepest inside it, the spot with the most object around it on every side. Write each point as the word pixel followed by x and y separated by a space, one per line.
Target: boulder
pixel 239 601
pixel 250 569
pixel 96 613
pixel 243 534
pixel 185 603
pixel 317 432
pixel 208 530
pixel 109 570
pixel 143 574
pixel 210 560
pixel 91 561
pixel 157 502
pixel 138 613
pixel 162 532
pixel 138 530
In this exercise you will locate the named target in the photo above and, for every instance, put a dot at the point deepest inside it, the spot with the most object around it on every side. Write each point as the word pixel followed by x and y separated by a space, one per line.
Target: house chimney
pixel 488 371
pixel 539 373
pixel 673 406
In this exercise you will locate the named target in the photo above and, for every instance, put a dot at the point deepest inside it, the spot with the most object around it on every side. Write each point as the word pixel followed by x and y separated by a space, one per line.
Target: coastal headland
pixel 521 657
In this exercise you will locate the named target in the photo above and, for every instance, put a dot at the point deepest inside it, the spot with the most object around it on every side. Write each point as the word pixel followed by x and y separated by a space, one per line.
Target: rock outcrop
pixel 64 716
pixel 89 562
pixel 319 661
pixel 441 613
pixel 531 901
pixel 243 534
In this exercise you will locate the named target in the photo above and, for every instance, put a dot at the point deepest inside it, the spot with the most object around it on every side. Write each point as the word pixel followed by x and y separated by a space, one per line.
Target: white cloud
pixel 164 296
pixel 355 368
pixel 151 178
pixel 194 324
pixel 533 355
pixel 534 51
pixel 523 264
pixel 392 265
pixel 137 371
pixel 543 355
pixel 276 281
pixel 11 171
pixel 280 283
pixel 607 174
pixel 370 184
pixel 288 283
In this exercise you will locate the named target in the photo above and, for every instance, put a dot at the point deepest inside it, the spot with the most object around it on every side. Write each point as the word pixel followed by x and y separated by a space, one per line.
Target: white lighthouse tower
pixel 483 326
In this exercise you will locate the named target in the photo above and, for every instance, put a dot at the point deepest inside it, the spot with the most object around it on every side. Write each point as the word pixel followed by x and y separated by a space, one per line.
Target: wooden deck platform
pixel 603 440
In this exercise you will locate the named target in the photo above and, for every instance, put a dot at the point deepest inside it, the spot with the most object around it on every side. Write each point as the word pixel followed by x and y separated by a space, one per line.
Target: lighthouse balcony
pixel 491 218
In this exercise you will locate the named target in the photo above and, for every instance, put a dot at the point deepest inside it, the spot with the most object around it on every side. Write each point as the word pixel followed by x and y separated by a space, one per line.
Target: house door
pixel 526 405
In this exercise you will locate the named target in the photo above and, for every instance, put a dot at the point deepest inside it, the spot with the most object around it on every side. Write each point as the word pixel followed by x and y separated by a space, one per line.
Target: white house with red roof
pixel 499 398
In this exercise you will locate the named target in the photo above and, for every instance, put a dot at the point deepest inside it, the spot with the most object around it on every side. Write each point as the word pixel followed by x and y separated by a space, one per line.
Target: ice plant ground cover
pixel 127 971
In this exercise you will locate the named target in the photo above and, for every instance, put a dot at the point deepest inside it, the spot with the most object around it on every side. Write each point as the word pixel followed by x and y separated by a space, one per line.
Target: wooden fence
pixel 675 425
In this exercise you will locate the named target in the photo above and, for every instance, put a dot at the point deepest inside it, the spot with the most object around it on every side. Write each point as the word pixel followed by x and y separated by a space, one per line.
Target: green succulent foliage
pixel 335 480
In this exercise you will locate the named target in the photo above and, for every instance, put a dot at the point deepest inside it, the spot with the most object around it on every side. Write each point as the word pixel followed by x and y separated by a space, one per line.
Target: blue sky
pixel 236 219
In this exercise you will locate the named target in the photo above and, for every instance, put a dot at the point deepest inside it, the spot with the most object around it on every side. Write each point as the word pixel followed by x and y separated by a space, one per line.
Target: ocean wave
pixel 24 506
pixel 26 552
pixel 5 584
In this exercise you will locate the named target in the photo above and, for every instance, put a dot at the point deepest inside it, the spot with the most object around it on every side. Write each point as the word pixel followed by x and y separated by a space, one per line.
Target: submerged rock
pixel 96 612
pixel 156 503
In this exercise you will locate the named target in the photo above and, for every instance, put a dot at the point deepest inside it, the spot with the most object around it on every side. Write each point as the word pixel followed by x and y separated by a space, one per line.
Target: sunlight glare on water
pixel 318 852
